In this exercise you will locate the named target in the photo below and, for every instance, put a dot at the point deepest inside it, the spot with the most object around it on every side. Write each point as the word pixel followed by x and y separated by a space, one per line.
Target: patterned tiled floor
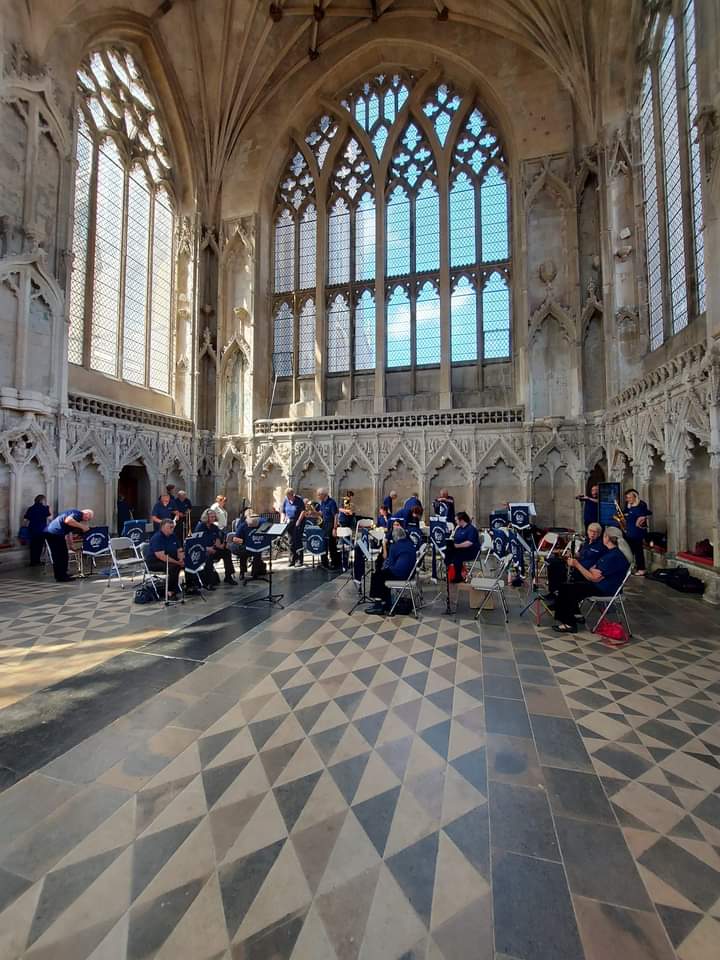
pixel 334 787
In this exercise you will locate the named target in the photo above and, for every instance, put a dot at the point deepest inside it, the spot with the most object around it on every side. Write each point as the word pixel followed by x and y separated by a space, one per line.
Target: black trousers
pixel 59 551
pixel 238 550
pixel 223 554
pixel 458 556
pixel 332 544
pixel 637 545
pixel 173 572
pixel 378 590
pixel 295 537
pixel 569 598
pixel 36 545
pixel 557 574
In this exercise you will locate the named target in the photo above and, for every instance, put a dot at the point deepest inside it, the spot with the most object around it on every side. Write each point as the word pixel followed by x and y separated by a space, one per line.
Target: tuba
pixel 619 517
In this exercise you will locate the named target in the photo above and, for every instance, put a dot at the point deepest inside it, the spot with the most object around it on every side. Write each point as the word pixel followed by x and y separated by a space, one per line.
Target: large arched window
pixel 295 256
pixel 672 179
pixel 426 175
pixel 121 291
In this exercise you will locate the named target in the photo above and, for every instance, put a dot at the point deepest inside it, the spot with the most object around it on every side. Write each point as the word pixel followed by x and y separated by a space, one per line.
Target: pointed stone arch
pixel 500 450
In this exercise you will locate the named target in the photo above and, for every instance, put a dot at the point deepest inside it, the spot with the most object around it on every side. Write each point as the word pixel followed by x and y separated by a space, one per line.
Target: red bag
pixel 615 634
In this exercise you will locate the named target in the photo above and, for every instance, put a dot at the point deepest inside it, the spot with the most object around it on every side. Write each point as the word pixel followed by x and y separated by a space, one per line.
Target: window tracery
pixel 473 270
pixel 124 226
pixel 675 259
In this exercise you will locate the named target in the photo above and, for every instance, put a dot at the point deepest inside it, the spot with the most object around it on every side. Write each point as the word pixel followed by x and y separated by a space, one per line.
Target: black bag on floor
pixel 681 580
pixel 258 568
pixel 150 591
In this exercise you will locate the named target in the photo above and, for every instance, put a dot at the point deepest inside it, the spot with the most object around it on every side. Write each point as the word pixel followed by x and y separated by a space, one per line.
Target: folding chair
pixel 608 602
pixel 545 549
pixel 412 585
pixel 493 586
pixel 135 563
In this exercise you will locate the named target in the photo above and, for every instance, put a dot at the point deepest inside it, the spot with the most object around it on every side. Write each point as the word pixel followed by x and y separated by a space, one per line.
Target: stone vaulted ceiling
pixel 229 57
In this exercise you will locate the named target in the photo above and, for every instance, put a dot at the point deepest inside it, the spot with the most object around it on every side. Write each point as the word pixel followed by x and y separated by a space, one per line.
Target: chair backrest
pixel 344 532
pixel 116 544
pixel 365 522
pixel 548 542
pixel 486 542
pixel 619 590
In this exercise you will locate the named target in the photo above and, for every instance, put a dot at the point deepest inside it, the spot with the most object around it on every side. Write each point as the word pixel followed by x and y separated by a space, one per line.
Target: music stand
pixel 362 544
pixel 194 562
pixel 259 541
pixel 533 593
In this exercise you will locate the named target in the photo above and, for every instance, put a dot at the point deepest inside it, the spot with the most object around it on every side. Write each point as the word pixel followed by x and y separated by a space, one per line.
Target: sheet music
pixel 276 529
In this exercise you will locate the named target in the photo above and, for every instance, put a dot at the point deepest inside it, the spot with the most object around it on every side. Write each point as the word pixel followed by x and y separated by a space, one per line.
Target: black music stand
pixel 260 541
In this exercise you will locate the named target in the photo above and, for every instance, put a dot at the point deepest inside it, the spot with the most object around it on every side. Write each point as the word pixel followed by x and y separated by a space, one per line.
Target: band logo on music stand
pixel 260 541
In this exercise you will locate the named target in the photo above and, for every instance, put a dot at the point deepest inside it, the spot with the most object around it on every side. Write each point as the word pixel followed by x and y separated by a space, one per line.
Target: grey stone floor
pixel 331 787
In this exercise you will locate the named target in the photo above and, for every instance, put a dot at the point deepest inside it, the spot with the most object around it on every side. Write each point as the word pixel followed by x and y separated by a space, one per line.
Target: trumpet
pixel 619 517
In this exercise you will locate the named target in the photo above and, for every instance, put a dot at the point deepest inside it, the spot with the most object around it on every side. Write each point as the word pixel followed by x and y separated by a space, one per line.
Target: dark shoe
pixel 65 579
pixel 564 628
pixel 324 563
pixel 210 587
pixel 375 608
pixel 231 581
pixel 291 563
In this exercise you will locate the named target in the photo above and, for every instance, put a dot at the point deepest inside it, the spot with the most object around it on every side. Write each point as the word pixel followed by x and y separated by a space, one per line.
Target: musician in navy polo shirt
pixel 212 538
pixel 559 570
pixel 603 579
pixel 57 530
pixel 162 554
pixel 465 544
pixel 328 511
pixel 388 501
pixel 398 566
pixel 292 510
pixel 163 510
pixel 36 519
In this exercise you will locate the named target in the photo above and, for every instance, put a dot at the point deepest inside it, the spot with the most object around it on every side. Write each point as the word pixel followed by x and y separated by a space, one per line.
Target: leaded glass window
pixel 283 339
pixel 652 212
pixel 471 274
pixel 121 291
pixel 694 151
pixel 675 256
pixel 673 183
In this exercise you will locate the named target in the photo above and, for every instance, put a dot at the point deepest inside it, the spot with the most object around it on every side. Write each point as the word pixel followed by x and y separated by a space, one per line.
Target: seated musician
pixel 398 566
pixel 465 544
pixel 162 554
pixel 589 553
pixel 163 510
pixel 383 518
pixel 602 579
pixel 212 538
pixel 235 540
pixel 444 506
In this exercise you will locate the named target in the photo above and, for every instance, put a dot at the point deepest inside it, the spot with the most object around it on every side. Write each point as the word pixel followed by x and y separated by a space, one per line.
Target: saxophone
pixel 619 517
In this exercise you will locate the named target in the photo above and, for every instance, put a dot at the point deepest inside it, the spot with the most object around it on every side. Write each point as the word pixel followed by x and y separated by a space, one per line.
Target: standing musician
pixel 636 512
pixel 346 511
pixel 412 516
pixel 58 532
pixel 162 511
pixel 560 570
pixel 602 579
pixel 212 538
pixel 35 520
pixel 292 511
pixel 444 506
pixel 590 505
pixel 163 554
pixel 182 507
pixel 328 510
pixel 388 501
pixel 464 546
pixel 412 501
pixel 400 560
pixel 220 511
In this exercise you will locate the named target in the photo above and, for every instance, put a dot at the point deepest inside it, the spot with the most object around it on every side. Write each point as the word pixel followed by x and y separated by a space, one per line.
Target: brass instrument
pixel 619 517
